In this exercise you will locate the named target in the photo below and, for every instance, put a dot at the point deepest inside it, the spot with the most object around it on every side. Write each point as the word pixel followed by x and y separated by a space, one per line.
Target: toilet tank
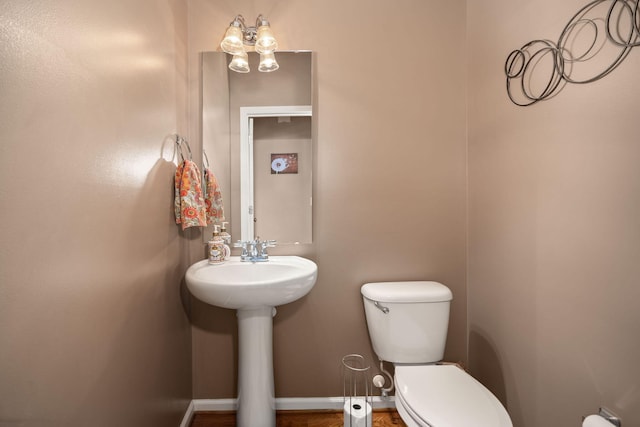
pixel 407 321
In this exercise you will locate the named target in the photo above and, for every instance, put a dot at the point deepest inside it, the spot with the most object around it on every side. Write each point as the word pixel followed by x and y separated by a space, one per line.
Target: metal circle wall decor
pixel 606 29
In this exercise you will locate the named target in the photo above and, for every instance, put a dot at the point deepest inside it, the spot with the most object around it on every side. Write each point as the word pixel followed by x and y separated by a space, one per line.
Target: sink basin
pixel 240 285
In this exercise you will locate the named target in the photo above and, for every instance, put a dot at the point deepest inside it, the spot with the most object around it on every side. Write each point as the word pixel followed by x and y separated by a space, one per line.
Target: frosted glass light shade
pixel 240 63
pixel 232 41
pixel 268 63
pixel 265 40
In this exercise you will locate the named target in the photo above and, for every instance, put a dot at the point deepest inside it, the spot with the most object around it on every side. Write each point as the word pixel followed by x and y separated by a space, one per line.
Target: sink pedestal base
pixel 256 396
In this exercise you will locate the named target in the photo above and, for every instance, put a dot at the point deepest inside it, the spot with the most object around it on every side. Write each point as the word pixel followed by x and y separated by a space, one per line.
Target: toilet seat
pixel 446 396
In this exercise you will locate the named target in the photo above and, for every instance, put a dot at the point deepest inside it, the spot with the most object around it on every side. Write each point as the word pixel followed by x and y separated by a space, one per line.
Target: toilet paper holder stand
pixel 609 416
pixel 357 391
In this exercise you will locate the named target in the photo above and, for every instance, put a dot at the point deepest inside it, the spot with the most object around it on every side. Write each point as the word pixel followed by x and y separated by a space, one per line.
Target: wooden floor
pixel 381 418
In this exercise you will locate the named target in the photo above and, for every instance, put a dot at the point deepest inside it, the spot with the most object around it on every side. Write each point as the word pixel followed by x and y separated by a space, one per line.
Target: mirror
pixel 257 139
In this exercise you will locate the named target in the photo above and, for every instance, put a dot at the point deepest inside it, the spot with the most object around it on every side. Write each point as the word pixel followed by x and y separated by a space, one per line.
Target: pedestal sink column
pixel 256 397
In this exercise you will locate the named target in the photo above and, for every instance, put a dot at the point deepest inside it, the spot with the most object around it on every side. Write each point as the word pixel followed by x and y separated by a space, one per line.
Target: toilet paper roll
pixel 596 421
pixel 357 413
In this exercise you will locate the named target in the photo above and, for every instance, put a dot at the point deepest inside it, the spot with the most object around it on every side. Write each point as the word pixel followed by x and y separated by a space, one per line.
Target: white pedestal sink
pixel 254 290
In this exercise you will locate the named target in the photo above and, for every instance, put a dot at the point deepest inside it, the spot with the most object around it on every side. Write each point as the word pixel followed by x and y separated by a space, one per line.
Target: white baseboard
pixel 282 403
pixel 188 416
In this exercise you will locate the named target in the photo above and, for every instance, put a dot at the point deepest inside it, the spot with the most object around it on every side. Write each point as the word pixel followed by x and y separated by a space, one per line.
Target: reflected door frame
pixel 247 114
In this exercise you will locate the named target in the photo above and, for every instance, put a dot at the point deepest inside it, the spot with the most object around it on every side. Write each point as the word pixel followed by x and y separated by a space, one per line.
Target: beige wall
pixel 92 327
pixel 390 196
pixel 554 208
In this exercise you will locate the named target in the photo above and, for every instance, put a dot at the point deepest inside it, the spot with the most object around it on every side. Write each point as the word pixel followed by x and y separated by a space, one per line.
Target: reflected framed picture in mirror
pixel 282 163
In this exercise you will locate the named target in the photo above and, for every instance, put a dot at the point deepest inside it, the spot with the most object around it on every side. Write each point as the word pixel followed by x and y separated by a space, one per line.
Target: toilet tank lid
pixel 407 292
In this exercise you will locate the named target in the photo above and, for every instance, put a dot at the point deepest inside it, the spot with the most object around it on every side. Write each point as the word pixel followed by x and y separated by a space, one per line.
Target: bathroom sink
pixel 254 290
pixel 240 285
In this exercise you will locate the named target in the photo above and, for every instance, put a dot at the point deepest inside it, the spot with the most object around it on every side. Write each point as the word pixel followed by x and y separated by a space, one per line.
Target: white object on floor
pixel 357 413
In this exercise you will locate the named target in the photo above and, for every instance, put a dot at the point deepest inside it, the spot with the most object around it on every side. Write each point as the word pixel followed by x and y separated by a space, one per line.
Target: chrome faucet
pixel 254 250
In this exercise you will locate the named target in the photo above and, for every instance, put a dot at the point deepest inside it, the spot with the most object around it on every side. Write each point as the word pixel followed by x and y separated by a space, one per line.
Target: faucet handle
pixel 243 245
pixel 264 245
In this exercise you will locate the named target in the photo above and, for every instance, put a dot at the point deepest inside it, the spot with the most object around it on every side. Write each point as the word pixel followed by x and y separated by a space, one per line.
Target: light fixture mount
pixel 250 36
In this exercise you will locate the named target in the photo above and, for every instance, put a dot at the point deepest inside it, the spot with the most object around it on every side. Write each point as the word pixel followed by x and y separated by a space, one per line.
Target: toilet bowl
pixel 408 324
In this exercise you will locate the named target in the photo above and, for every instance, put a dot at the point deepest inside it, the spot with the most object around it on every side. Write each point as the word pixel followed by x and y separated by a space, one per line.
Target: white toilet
pixel 408 324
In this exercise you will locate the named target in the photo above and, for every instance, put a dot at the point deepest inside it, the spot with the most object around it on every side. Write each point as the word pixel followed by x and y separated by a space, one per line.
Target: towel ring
pixel 205 158
pixel 179 141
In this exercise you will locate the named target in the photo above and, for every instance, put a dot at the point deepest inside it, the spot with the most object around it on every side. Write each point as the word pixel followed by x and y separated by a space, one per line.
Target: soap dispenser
pixel 218 251
pixel 226 237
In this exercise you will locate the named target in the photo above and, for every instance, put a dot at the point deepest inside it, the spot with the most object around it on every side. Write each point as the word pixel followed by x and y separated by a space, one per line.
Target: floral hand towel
pixel 213 198
pixel 189 203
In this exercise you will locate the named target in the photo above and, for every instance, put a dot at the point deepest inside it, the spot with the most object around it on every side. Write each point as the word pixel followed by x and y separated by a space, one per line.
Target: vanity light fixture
pixel 239 38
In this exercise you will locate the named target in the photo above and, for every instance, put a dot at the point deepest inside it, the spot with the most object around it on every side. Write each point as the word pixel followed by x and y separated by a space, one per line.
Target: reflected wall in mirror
pixel 263 159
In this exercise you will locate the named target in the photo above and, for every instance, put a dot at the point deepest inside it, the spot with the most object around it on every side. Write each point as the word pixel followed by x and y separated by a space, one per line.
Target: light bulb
pixel 232 41
pixel 240 63
pixel 268 63
pixel 265 40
